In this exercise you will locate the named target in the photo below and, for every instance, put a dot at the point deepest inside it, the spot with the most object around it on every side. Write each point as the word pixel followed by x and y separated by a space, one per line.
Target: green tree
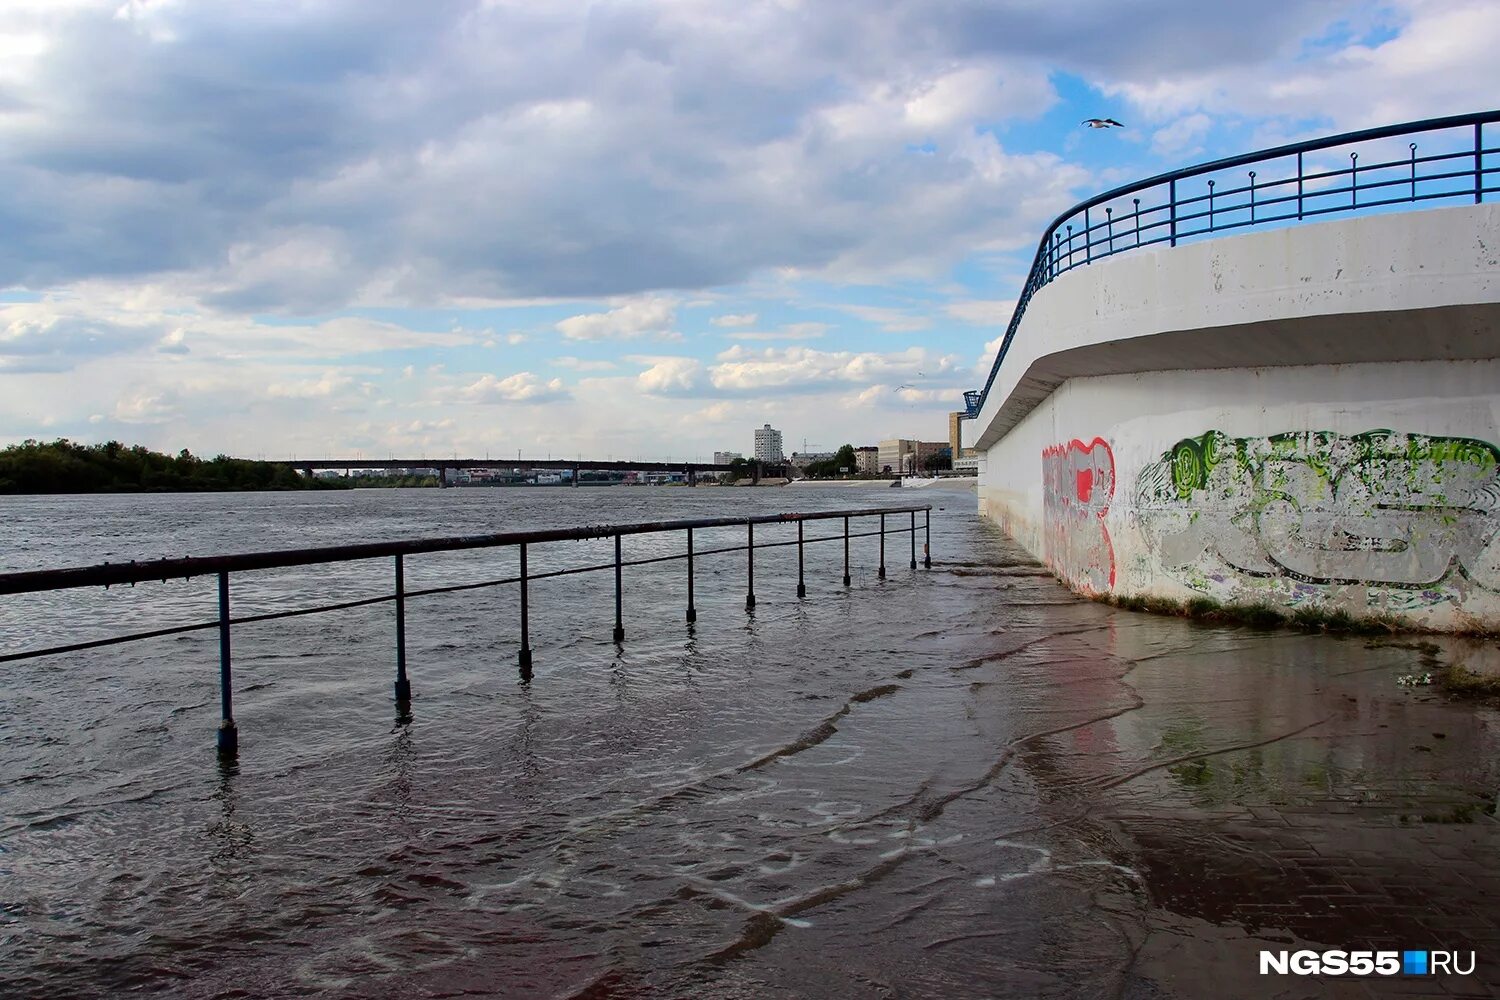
pixel 845 458
pixel 941 460
pixel 63 466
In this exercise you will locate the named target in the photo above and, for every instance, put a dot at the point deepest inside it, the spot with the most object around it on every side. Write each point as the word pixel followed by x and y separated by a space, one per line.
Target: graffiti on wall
pixel 1078 483
pixel 1412 515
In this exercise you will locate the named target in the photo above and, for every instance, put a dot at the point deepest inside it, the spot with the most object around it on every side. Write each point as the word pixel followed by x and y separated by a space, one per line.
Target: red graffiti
pixel 1078 483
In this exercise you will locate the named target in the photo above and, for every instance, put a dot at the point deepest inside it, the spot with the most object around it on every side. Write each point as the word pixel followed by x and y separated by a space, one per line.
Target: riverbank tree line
pixel 64 466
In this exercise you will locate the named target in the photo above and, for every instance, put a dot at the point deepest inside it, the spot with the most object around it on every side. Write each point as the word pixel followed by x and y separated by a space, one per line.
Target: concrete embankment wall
pixel 1305 417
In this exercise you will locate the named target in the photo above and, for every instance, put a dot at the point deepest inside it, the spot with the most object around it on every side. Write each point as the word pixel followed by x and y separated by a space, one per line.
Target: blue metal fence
pixel 1443 160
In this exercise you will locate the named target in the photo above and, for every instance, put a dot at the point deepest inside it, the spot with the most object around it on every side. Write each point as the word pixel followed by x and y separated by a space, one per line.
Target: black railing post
pixel 927 539
pixel 619 601
pixel 882 546
pixel 1478 162
pixel 1172 210
pixel 229 734
pixel 801 585
pixel 1299 185
pixel 523 658
pixel 1252 196
pixel 1413 147
pixel 913 539
pixel 403 685
pixel 1070 248
pixel 1088 239
pixel 692 612
pixel 1137 203
pixel 1109 225
pixel 1210 206
pixel 750 566
pixel 1353 180
pixel 846 550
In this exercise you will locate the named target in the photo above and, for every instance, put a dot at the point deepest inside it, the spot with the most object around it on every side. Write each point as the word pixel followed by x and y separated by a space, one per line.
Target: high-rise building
pixel 868 457
pixel 768 446
pixel 725 457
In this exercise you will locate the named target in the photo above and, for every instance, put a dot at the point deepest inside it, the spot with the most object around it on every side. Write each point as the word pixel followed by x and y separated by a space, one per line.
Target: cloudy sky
pixel 278 228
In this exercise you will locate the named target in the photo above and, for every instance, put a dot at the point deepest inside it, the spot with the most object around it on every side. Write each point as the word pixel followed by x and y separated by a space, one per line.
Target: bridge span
pixel 1267 380
pixel 576 465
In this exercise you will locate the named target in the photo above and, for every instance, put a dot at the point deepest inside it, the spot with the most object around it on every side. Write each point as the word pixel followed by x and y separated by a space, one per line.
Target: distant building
pixel 906 456
pixel 956 438
pixel 867 458
pixel 768 446
pixel 725 457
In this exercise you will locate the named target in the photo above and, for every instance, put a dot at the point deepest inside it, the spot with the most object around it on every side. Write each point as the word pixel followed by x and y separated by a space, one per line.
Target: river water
pixel 957 782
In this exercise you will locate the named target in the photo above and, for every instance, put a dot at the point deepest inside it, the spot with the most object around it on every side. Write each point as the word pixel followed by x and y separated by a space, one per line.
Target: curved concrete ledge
pixel 1307 416
pixel 1404 286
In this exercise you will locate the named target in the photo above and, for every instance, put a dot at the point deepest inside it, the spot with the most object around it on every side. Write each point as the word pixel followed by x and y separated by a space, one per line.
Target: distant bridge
pixel 576 465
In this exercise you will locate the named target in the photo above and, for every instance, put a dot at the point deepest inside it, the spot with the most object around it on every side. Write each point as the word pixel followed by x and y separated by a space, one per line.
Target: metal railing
pixel 113 574
pixel 1287 184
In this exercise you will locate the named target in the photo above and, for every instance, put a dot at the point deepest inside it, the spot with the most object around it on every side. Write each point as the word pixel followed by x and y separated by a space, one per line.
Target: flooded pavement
pixel 962 782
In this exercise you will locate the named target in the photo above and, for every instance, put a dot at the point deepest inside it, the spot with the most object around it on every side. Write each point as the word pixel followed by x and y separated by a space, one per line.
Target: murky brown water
pixel 962 782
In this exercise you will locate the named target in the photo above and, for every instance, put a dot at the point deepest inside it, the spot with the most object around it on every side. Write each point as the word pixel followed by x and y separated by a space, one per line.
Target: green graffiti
pixel 1414 516
pixel 1187 468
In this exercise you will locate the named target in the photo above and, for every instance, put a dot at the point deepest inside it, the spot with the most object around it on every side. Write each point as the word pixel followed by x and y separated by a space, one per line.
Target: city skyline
pixel 470 230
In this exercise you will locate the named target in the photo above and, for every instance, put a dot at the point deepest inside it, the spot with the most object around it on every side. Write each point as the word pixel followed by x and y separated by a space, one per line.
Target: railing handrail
pixel 105 574
pixel 111 574
pixel 1038 275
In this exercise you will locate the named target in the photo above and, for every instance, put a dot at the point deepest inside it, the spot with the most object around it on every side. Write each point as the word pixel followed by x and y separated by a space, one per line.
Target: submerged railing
pixel 1287 184
pixel 112 574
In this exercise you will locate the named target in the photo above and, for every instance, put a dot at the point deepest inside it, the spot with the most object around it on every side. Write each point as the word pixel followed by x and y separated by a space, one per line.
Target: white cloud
pixel 322 387
pixel 627 322
pixel 146 406
pixel 362 170
pixel 522 387
pixel 715 413
pixel 58 334
pixel 982 312
pixel 671 377
pixel 741 370
pixel 657 158
pixel 889 319
pixel 1440 61
pixel 583 364
pixel 1183 137
pixel 986 357
pixel 790 331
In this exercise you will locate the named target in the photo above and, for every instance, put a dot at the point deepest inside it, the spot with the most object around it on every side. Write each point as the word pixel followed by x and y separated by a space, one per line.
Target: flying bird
pixel 1102 123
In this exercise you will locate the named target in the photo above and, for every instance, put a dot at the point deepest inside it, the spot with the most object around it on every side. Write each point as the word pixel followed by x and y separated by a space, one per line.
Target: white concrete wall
pixel 1161 425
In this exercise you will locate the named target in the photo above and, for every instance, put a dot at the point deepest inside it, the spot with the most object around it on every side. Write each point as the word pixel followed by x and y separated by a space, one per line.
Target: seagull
pixel 1102 123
